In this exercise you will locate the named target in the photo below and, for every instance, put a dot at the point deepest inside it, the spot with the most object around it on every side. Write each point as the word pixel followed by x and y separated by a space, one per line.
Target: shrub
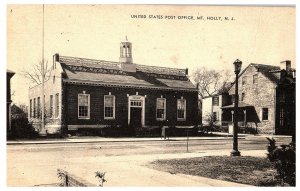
pixel 101 178
pixel 284 159
pixel 148 132
pixel 22 128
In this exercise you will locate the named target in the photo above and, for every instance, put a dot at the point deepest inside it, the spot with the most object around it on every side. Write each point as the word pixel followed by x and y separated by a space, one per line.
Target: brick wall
pixel 260 95
pixel 121 105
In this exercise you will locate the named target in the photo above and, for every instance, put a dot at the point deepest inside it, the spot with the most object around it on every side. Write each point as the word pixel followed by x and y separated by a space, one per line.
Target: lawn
pixel 246 170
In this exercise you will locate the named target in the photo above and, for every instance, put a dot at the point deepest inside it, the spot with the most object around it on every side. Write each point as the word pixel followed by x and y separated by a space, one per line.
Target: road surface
pixel 36 164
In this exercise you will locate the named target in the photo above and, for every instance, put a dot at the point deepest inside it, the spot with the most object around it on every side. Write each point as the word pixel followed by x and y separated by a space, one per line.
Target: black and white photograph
pixel 150 95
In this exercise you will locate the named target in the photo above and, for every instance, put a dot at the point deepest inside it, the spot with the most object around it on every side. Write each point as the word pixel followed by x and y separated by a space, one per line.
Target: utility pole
pixel 43 78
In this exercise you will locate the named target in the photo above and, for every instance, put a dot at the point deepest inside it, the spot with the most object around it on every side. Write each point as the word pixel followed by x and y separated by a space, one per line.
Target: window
pixel 215 116
pixel 181 109
pixel 281 117
pixel 232 98
pixel 30 108
pixel 265 113
pixel 136 103
pixel 215 100
pixel 244 80
pixel 161 109
pixel 34 108
pixel 56 105
pixel 255 78
pixel 243 97
pixel 109 107
pixel 51 106
pixel 83 106
pixel 38 107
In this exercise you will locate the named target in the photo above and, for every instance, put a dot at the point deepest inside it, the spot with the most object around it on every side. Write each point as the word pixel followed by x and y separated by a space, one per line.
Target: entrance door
pixel 135 117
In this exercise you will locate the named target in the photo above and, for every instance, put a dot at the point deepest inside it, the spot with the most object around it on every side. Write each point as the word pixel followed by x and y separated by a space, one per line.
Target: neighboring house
pixel 87 94
pixel 212 108
pixel 266 99
pixel 9 75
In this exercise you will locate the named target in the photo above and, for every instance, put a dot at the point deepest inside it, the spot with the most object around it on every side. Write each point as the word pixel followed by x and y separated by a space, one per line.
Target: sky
pixel 166 37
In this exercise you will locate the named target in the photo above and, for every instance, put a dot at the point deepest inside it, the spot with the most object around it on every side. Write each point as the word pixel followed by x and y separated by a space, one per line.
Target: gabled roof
pixel 266 70
pixel 100 72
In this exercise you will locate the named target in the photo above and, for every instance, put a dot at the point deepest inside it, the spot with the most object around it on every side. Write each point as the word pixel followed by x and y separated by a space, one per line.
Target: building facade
pixel 9 75
pixel 266 100
pixel 90 94
pixel 212 108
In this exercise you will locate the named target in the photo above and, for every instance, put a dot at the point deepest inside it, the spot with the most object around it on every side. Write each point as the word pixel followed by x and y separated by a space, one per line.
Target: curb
pixel 99 141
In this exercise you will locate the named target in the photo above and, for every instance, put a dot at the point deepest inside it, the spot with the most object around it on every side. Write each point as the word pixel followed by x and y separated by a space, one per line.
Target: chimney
pixel 55 59
pixel 288 66
pixel 186 71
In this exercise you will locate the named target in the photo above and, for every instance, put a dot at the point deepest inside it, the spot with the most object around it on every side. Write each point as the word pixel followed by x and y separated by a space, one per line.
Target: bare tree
pixel 35 73
pixel 211 81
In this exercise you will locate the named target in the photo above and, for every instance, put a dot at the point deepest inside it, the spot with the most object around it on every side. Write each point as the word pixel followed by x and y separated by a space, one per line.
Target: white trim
pixel 137 98
pixel 88 112
pixel 181 119
pixel 114 107
pixel 165 103
pixel 128 85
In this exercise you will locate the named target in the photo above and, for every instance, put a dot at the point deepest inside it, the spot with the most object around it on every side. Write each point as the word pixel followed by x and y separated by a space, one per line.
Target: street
pixel 123 162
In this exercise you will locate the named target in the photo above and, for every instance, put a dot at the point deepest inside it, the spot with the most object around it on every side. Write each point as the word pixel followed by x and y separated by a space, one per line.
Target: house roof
pixel 82 70
pixel 266 70
pixel 10 71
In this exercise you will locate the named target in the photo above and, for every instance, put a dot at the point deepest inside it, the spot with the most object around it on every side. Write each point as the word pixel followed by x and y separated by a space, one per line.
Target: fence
pixel 70 180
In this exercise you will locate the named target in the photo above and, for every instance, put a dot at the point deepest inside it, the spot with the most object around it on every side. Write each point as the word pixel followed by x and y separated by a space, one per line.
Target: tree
pixel 210 123
pixel 211 81
pixel 39 74
pixel 284 159
pixel 36 73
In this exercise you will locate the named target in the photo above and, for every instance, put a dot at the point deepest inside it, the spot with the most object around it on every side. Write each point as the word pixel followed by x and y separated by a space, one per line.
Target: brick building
pixel 91 94
pixel 266 100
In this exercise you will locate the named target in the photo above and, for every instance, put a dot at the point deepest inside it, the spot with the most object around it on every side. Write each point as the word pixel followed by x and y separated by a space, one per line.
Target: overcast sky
pixel 264 35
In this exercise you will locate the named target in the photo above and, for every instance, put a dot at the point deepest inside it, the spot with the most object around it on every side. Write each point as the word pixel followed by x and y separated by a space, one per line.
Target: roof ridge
pixel 161 67
pixel 89 59
pixel 80 58
pixel 116 65
pixel 255 64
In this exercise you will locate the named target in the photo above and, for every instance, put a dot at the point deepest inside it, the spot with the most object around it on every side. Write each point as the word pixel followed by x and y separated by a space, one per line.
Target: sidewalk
pixel 121 139
pixel 87 139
